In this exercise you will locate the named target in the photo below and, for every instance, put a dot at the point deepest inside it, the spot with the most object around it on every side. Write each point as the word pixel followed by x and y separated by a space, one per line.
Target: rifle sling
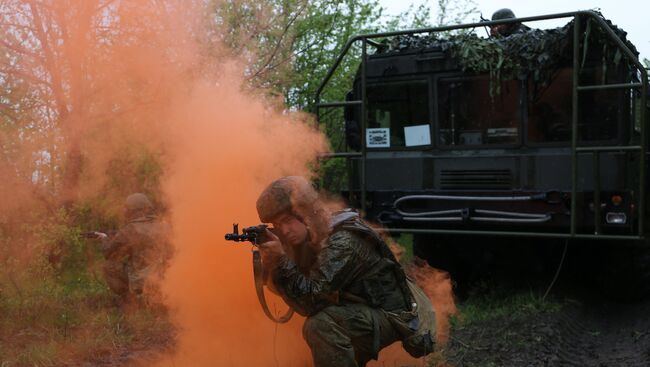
pixel 259 289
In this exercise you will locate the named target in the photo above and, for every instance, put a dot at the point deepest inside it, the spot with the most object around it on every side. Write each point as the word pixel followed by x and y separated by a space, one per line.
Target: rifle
pixel 95 235
pixel 255 234
pixel 485 20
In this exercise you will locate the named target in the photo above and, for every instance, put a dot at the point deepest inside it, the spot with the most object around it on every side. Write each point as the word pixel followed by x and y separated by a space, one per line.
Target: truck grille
pixel 476 179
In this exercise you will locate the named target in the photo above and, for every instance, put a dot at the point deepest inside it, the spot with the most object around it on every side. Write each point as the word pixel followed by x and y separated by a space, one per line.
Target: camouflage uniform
pixel 355 296
pixel 137 255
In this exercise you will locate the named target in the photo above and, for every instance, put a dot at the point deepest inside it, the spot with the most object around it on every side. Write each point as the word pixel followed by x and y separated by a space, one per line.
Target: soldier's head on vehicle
pixel 137 205
pixel 293 206
pixel 503 30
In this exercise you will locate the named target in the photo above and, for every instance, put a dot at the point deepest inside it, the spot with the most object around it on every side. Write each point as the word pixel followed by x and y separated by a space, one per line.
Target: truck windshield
pixel 478 111
pixel 600 112
pixel 398 115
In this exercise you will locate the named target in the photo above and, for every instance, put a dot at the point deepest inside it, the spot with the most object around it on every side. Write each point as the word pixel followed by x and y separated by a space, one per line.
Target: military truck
pixel 463 139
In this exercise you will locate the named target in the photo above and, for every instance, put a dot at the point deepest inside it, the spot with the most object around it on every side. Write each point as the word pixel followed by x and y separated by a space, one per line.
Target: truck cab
pixel 540 134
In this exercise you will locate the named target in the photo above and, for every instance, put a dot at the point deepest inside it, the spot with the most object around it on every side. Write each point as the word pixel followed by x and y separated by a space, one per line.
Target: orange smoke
pixel 141 84
pixel 436 284
pixel 229 148
pixel 134 80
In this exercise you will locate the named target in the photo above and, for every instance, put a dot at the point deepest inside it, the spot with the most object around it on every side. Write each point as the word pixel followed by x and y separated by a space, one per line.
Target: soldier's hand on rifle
pixel 271 250
pixel 94 235
pixel 99 235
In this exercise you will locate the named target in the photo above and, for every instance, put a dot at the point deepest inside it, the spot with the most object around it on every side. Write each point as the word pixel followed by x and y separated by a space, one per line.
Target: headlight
pixel 616 218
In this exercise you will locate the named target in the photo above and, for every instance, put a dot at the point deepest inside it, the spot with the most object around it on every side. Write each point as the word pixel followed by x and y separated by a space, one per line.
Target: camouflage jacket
pixel 141 241
pixel 354 265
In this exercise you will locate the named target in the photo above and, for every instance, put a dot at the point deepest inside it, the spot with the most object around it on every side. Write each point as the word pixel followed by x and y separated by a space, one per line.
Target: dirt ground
pixel 586 332
pixel 592 332
pixel 577 326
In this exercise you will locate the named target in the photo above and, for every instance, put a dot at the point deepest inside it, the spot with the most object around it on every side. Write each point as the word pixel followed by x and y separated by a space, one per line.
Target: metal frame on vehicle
pixel 642 86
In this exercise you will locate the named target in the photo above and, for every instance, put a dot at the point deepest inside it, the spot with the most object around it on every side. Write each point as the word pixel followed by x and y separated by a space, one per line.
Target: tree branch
pixel 50 62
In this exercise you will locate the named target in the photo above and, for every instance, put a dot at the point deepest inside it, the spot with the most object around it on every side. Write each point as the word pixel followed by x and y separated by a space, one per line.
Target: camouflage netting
pixel 533 53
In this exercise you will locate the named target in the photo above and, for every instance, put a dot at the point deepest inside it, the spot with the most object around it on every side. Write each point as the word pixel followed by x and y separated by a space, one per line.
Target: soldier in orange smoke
pixel 339 273
pixel 136 257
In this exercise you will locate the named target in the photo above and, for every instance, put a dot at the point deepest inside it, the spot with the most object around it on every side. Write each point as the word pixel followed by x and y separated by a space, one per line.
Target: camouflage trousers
pixel 344 335
pixel 117 278
pixel 123 280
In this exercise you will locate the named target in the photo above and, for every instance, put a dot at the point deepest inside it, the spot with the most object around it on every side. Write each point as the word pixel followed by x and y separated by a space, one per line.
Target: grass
pixel 487 301
pixel 51 316
pixel 406 241
pixel 49 326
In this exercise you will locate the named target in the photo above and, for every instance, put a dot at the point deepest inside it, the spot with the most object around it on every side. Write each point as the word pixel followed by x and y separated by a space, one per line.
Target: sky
pixel 630 15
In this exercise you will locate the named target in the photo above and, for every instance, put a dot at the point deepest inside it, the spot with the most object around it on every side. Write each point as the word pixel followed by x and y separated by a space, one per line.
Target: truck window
pixel 601 112
pixel 469 115
pixel 550 109
pixel 398 115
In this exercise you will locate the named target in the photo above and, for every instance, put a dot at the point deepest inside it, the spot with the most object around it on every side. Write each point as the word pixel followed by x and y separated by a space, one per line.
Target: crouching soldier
pixel 339 273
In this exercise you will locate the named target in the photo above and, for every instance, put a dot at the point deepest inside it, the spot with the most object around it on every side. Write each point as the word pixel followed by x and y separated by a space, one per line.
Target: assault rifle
pixel 97 235
pixel 255 234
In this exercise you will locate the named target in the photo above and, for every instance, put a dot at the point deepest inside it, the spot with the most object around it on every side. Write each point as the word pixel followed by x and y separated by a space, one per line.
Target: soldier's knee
pixel 316 326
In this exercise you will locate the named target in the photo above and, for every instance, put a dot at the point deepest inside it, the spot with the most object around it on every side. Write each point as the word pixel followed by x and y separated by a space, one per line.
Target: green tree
pixel 289 45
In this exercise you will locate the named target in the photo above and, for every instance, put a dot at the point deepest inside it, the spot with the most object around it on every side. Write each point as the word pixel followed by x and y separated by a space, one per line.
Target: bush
pixel 55 307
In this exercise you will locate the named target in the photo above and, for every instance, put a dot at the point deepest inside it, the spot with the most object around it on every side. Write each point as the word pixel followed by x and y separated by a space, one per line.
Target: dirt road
pixel 587 332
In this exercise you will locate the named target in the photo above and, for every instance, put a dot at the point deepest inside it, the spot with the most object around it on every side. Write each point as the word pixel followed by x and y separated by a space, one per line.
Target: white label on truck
pixel 378 137
pixel 417 135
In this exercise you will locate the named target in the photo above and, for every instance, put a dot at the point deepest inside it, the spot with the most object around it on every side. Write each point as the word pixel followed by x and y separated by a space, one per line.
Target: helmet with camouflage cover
pixel 296 196
pixel 291 194
pixel 504 13
pixel 138 204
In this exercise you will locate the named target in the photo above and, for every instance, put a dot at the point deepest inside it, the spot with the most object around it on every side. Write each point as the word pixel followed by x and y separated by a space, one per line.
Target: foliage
pixel 333 175
pixel 56 308
pixel 290 45
pixel 533 53
pixel 490 301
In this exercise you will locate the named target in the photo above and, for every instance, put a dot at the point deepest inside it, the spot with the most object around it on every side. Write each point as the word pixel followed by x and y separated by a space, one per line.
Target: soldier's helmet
pixel 138 204
pixel 292 194
pixel 504 13
pixel 296 196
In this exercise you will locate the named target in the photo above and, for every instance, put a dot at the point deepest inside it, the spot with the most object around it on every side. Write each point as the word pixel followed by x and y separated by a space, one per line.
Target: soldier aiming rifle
pixel 339 273
pixel 136 255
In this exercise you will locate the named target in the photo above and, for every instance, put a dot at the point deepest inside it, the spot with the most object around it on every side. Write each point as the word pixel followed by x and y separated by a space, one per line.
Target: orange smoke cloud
pixel 229 148
pixel 226 146
pixel 438 287
pixel 138 78
pixel 436 284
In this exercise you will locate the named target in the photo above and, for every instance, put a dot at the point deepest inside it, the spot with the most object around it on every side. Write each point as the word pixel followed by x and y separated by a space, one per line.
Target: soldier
pixel 137 255
pixel 505 30
pixel 339 273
